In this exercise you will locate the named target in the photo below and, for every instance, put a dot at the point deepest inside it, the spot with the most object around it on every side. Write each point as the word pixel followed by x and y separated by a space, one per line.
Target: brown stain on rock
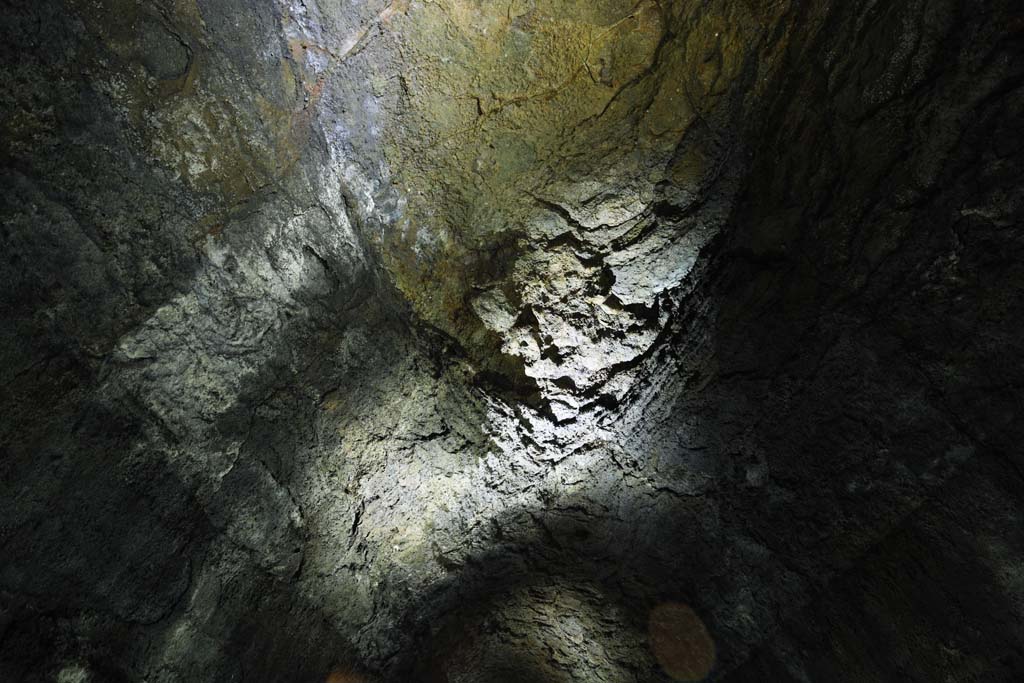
pixel 680 642
pixel 501 104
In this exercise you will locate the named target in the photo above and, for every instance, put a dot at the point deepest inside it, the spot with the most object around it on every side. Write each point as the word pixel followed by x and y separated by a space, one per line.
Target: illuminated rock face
pixel 554 168
pixel 527 341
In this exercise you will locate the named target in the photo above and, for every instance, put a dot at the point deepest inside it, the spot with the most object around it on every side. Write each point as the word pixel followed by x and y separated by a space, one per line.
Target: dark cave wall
pixel 873 303
pixel 224 431
pixel 937 598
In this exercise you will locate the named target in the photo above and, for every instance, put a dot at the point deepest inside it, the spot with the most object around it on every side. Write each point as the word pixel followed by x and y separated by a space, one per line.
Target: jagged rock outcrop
pixel 540 341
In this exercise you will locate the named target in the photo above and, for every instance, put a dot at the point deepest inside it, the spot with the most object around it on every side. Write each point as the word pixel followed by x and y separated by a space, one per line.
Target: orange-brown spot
pixel 680 642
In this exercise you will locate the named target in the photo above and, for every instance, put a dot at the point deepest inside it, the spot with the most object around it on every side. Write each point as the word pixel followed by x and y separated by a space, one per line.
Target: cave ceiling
pixel 461 341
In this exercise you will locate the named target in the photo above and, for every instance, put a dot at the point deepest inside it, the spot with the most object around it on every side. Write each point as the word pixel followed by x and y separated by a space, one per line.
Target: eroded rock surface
pixel 466 341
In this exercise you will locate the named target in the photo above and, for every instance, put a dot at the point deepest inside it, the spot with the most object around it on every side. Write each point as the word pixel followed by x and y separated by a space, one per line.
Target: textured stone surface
pixel 532 341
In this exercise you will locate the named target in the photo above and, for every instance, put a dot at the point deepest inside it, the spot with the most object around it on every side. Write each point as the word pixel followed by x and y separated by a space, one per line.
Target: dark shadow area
pixel 936 598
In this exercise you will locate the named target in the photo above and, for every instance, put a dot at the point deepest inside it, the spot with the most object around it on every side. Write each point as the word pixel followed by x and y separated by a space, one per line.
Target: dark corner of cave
pixel 518 341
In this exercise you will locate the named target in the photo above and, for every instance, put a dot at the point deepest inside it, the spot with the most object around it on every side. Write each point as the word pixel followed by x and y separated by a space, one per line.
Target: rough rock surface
pixel 568 341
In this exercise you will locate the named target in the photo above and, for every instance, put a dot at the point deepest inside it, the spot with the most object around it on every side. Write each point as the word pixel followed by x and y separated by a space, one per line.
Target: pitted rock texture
pixel 460 341
pixel 560 166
